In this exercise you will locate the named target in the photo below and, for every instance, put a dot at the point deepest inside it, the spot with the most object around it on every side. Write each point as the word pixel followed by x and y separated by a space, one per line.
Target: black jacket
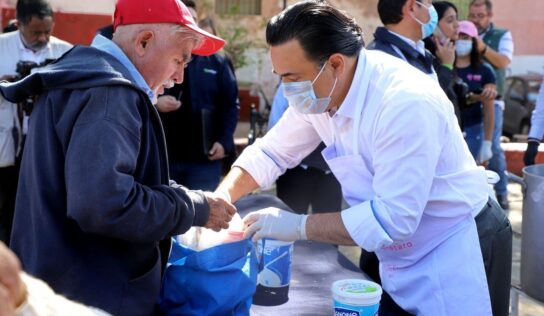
pixel 209 110
pixel 93 200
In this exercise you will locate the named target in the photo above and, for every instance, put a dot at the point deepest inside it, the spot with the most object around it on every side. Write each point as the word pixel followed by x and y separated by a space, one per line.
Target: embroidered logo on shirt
pixel 210 71
pixel 474 77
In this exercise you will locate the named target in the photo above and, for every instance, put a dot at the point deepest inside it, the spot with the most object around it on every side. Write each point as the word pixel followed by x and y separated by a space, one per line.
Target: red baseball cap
pixel 164 11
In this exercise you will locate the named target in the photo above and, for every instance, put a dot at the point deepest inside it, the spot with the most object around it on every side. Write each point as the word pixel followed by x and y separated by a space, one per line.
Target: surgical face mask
pixel 463 47
pixel 427 29
pixel 302 98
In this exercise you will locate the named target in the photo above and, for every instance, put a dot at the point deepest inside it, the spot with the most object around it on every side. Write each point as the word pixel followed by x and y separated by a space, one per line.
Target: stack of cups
pixel 356 297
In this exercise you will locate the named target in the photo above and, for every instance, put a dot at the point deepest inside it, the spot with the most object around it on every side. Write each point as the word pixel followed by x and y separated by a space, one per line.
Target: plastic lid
pixel 356 292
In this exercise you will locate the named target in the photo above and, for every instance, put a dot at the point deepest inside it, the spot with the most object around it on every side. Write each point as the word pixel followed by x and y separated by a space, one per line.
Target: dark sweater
pixel 93 201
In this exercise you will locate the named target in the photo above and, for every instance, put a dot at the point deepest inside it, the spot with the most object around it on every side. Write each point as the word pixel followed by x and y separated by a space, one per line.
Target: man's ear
pixel 143 40
pixel 409 8
pixel 338 64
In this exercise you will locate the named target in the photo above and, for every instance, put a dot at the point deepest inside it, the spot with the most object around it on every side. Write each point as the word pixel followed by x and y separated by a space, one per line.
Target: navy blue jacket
pixel 383 41
pixel 93 201
pixel 208 85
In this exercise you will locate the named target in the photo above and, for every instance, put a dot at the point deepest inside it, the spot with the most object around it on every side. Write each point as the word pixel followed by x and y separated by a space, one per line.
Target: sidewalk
pixel 526 306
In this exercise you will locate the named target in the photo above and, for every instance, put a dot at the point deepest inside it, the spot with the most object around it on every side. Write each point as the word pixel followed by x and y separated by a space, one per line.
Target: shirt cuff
pixel 259 165
pixel 201 207
pixel 364 228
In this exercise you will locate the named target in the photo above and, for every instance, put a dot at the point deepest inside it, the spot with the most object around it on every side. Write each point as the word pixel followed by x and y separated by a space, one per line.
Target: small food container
pixel 356 297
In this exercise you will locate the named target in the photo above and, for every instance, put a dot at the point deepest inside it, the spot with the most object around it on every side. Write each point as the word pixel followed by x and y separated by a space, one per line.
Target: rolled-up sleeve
pixel 283 147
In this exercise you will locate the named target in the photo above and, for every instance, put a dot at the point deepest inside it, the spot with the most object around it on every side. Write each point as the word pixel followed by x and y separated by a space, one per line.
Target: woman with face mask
pixel 442 45
pixel 477 115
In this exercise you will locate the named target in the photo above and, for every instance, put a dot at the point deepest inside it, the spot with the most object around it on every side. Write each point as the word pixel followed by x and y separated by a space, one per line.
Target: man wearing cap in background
pixel 95 209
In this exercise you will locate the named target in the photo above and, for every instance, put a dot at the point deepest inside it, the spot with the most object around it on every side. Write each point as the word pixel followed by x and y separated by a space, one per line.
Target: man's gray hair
pixel 163 31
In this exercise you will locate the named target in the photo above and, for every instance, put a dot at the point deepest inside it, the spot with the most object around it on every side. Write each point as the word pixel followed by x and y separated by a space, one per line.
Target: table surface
pixel 315 266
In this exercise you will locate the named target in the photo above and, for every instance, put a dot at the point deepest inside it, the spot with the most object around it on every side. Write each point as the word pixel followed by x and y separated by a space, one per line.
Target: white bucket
pixel 355 297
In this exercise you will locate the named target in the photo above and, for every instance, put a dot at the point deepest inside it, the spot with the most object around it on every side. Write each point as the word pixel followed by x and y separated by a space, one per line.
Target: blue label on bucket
pixel 276 262
pixel 341 309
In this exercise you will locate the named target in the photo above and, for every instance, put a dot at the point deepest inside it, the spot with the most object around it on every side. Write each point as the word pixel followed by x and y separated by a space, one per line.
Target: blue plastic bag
pixel 216 281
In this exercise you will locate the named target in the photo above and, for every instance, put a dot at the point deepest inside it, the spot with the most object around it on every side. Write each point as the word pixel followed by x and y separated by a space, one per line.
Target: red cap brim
pixel 211 44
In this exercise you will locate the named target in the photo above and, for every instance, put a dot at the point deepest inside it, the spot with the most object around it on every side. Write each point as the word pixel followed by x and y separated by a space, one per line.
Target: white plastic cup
pixel 356 297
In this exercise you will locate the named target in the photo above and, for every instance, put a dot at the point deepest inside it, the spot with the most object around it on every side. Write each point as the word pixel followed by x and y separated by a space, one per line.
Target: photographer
pixel 31 45
pixel 478 110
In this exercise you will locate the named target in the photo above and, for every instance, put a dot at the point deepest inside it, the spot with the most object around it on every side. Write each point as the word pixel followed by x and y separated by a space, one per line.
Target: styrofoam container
pixel 356 297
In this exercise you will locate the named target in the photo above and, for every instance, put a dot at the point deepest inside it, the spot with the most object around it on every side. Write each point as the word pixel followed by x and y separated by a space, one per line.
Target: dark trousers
pixel 495 234
pixel 299 188
pixel 8 190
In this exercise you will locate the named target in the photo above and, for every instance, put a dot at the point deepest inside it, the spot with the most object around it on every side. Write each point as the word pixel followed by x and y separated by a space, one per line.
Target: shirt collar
pixel 349 105
pixel 419 45
pixel 102 43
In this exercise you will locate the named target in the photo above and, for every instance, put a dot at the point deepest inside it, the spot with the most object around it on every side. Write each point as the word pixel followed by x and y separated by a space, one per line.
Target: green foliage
pixel 237 45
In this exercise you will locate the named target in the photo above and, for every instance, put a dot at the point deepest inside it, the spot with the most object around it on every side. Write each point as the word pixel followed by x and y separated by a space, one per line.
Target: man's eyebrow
pixel 287 74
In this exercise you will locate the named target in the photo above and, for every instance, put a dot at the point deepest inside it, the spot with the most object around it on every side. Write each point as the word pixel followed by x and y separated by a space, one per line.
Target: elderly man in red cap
pixel 95 207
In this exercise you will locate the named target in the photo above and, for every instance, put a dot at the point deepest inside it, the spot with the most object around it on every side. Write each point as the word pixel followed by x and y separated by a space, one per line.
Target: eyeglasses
pixel 477 16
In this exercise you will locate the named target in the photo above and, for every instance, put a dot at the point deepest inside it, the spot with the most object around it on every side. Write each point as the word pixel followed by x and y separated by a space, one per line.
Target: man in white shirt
pixel 31 43
pixel 394 145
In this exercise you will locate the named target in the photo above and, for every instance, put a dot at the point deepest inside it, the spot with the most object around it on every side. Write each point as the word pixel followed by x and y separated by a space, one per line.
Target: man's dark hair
pixel 443 6
pixel 189 4
pixel 488 4
pixel 26 9
pixel 321 30
pixel 390 11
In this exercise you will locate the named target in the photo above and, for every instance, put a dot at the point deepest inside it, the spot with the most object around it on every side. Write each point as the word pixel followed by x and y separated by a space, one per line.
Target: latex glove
pixel 275 223
pixel 485 152
pixel 531 152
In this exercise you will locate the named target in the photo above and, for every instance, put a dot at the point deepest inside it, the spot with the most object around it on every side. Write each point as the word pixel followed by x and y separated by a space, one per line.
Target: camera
pixel 23 69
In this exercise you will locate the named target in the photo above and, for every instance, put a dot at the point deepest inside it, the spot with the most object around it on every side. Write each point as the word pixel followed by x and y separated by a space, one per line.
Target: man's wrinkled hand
pixel 221 212
pixel 275 223
pixel 167 103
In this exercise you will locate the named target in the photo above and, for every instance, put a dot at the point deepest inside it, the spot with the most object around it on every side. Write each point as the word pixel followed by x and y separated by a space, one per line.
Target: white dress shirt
pixel 12 51
pixel 416 159
pixel 537 118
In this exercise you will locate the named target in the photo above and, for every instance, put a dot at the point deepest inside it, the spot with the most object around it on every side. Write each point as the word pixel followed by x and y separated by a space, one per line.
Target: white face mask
pixel 463 47
pixel 301 96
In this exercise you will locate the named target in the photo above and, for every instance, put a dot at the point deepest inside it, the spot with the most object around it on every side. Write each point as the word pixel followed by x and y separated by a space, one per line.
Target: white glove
pixel 485 152
pixel 275 223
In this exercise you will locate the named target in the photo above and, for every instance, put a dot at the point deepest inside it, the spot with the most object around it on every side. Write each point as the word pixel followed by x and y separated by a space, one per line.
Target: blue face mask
pixel 427 29
pixel 302 98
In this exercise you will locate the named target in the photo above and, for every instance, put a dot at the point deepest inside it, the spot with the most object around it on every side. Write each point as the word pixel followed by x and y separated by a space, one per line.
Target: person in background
pixel 393 143
pixel 95 208
pixel 32 44
pixel 497 48
pixel 478 113
pixel 536 133
pixel 442 46
pixel 199 118
pixel 311 183
pixel 24 295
